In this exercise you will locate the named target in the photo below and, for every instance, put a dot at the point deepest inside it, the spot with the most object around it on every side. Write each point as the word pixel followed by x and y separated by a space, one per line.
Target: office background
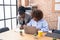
pixel 50 8
pixel 8 13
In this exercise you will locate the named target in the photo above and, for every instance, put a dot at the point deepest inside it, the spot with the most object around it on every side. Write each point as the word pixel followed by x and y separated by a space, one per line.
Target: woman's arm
pixel 30 23
pixel 45 26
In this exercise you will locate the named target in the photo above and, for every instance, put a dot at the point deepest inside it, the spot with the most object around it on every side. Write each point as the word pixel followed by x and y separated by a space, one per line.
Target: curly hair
pixel 37 14
pixel 21 10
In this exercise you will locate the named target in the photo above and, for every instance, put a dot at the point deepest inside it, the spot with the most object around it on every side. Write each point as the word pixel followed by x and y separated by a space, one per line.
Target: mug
pixel 40 33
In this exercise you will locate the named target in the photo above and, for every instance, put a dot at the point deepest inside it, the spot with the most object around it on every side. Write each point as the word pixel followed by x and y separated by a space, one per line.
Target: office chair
pixel 4 29
pixel 56 31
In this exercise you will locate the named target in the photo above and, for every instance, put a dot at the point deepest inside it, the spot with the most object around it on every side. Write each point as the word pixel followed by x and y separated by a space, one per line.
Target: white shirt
pixel 41 24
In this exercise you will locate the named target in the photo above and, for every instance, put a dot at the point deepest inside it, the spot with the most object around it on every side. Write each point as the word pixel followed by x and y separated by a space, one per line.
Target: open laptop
pixel 30 29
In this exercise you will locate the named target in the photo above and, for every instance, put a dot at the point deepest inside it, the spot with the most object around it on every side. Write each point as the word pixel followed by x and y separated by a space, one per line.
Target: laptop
pixel 30 30
pixel 53 35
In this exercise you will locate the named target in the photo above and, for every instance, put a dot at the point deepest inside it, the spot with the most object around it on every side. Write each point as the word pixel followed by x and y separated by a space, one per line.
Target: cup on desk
pixel 40 33
pixel 21 33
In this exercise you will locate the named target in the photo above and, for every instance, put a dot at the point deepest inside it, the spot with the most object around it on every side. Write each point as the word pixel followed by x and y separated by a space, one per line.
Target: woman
pixel 38 21
pixel 23 17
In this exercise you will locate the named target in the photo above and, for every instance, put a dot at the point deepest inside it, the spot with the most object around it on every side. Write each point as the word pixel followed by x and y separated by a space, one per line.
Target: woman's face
pixel 35 19
pixel 22 16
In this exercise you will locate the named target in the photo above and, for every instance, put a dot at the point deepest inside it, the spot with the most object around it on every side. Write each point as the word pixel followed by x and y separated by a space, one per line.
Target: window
pixel 7 12
pixel 1 12
pixel 13 2
pixel 1 1
pixel 1 24
pixel 56 6
pixel 13 11
pixel 8 17
pixel 7 2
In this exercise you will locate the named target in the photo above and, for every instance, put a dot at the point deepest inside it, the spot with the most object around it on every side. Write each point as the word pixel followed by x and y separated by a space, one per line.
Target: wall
pixel 46 6
pixel 23 3
pixel 19 3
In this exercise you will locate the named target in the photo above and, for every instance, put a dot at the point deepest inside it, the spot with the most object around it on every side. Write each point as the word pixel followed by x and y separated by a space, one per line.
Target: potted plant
pixel 35 36
pixel 20 32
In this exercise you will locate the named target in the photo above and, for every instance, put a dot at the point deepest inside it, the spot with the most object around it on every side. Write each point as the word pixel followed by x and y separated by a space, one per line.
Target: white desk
pixel 12 35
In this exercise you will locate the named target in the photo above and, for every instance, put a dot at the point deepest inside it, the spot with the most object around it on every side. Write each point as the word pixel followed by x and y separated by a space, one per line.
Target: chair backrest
pixel 56 31
pixel 53 35
pixel 4 29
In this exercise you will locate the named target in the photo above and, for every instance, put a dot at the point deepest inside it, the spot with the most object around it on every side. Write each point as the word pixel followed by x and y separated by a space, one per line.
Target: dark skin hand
pixel 22 26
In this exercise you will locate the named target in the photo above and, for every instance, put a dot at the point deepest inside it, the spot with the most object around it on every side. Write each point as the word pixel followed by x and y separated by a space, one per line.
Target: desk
pixel 12 35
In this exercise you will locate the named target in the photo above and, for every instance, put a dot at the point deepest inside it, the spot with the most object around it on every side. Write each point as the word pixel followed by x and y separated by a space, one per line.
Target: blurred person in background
pixel 23 17
pixel 38 21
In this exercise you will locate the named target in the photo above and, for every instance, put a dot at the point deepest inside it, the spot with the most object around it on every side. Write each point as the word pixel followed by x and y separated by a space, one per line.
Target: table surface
pixel 13 35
